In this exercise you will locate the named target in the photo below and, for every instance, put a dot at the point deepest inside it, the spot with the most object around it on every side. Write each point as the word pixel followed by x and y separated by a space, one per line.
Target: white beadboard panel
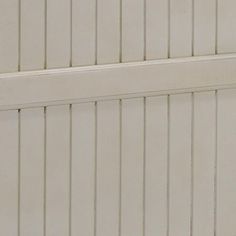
pixel 132 30
pixel 226 163
pixel 108 168
pixel 132 167
pixel 157 33
pixel 226 26
pixel 58 33
pixel 180 165
pixel 9 173
pixel 32 172
pixel 180 28
pixel 156 157
pixel 83 169
pixel 57 170
pixel 204 27
pixel 9 35
pixel 83 32
pixel 32 40
pixel 204 154
pixel 108 31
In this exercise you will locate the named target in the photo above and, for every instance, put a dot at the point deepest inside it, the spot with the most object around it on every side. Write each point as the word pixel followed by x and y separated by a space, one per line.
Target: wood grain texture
pixel 57 170
pixel 32 172
pixel 157 33
pixel 9 35
pixel 132 30
pixel 204 154
pixel 180 28
pixel 32 27
pixel 83 32
pixel 108 31
pixel 58 33
pixel 156 156
pixel 83 169
pixel 180 165
pixel 108 168
pixel 132 185
pixel 9 173
pixel 204 27
pixel 226 163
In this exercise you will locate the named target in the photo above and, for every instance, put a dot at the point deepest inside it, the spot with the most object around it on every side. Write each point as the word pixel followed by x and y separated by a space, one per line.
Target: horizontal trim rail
pixel 60 86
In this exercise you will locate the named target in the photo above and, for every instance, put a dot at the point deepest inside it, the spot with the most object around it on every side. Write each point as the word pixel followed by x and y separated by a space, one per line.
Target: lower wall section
pixel 148 166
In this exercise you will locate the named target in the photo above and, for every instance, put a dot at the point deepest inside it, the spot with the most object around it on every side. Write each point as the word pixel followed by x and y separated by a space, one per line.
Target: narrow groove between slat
pixel 216 163
pixel 70 173
pixel 19 35
pixel 19 170
pixel 192 164
pixel 144 165
pixel 120 171
pixel 168 169
pixel 45 170
pixel 45 34
pixel 95 174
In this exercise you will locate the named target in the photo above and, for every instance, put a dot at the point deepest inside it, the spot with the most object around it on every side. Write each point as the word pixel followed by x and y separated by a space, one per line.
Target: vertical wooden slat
pixel 58 33
pixel 132 185
pixel 108 168
pixel 83 32
pixel 156 166
pixel 226 171
pixel 157 22
pixel 204 27
pixel 108 31
pixel 32 172
pixel 9 173
pixel 204 163
pixel 132 30
pixel 180 28
pixel 32 34
pixel 226 26
pixel 57 170
pixel 180 165
pixel 83 169
pixel 9 35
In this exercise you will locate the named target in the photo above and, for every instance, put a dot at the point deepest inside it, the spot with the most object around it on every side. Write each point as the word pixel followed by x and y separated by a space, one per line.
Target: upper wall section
pixel 45 34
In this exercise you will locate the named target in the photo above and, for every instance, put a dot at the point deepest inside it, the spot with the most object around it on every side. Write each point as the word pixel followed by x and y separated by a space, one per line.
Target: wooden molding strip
pixel 61 86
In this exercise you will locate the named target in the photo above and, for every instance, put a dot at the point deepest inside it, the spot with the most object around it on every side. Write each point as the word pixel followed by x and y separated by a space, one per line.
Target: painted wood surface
pixel 32 35
pixel 180 165
pixel 226 167
pixel 108 31
pixel 204 157
pixel 132 167
pixel 157 29
pixel 58 45
pixel 181 16
pixel 32 178
pixel 156 171
pixel 62 86
pixel 9 36
pixel 9 172
pixel 83 150
pixel 108 168
pixel 147 165
pixel 57 34
pixel 132 30
pixel 57 189
pixel 226 26
pixel 204 27
pixel 83 32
